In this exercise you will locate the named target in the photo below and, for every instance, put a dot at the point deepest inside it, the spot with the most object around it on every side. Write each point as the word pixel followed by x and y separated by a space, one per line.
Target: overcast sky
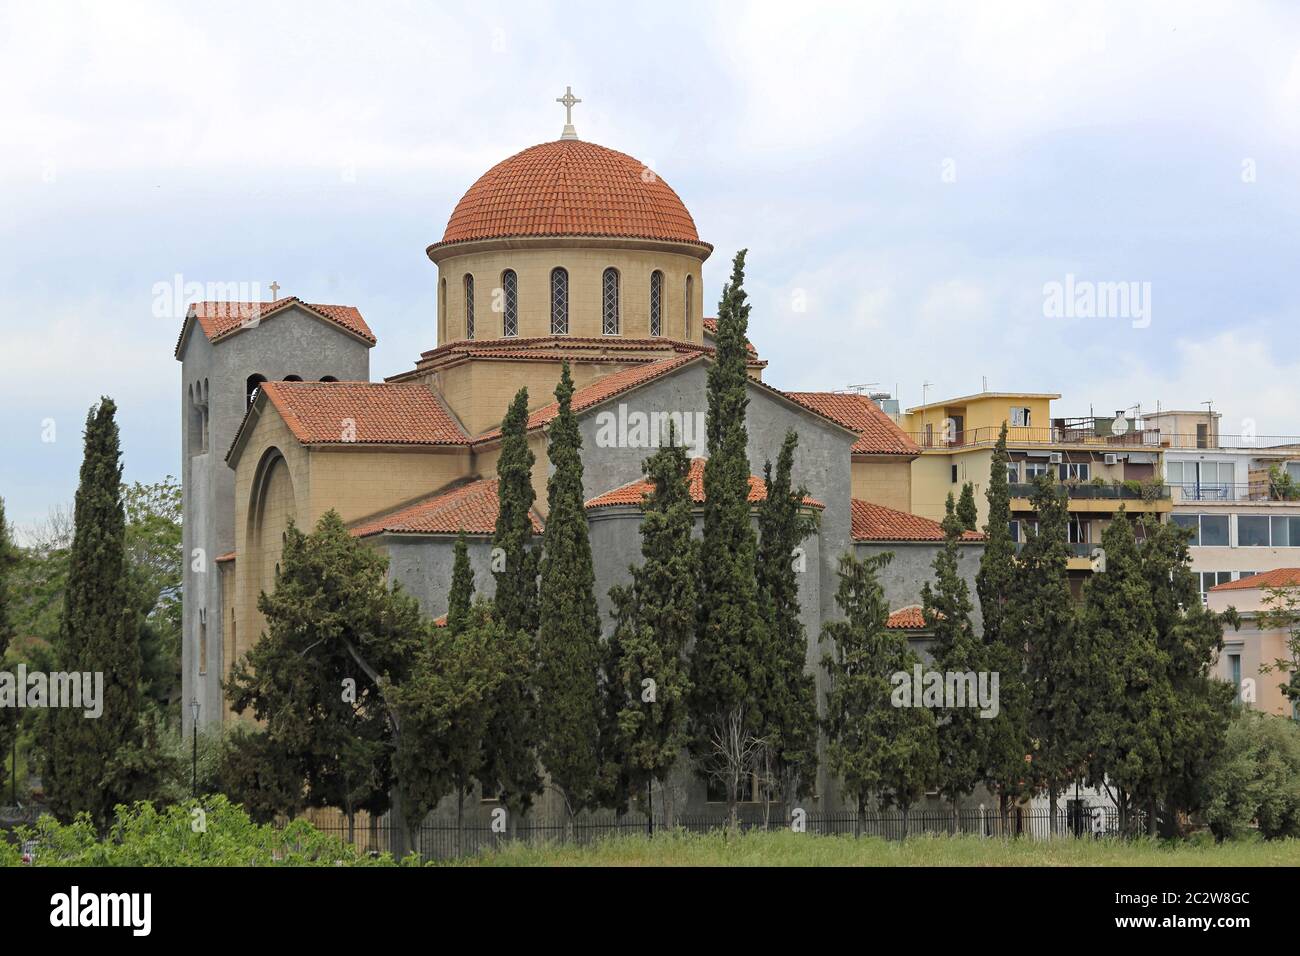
pixel 908 178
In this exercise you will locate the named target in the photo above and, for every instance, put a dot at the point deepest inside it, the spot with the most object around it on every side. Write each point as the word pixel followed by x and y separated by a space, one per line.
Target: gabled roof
pixel 1278 578
pixel 635 491
pixel 470 506
pixel 221 319
pixel 357 413
pixel 873 522
pixel 877 432
pixel 602 390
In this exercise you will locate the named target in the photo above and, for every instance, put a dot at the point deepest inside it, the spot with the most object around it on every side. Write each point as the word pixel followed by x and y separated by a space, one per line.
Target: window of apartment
pixel 1211 578
pixel 1262 531
pixel 1293 469
pixel 1022 528
pixel 1035 468
pixel 954 474
pixel 1013 471
pixel 1077 531
pixel 1019 416
pixel 1074 471
pixel 1234 673
pixel 1208 531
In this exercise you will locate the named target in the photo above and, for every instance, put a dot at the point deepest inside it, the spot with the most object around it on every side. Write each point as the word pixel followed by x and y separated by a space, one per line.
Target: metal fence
pixel 443 840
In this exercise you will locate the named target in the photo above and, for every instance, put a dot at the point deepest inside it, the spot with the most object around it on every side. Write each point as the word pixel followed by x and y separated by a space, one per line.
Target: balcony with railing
pixel 1064 433
pixel 1254 491
pixel 1090 491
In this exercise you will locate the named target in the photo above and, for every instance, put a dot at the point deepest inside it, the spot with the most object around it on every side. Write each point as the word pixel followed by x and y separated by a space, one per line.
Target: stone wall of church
pixel 289 343
pixel 586 266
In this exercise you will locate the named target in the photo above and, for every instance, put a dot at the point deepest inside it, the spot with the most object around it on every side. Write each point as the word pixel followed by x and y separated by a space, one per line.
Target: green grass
pixel 801 849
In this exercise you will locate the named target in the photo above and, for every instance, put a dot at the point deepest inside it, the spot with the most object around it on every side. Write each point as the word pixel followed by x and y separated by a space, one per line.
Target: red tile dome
pixel 570 188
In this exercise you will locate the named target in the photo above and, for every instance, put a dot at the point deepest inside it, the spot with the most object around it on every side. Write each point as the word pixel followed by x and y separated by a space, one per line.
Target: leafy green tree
pixel 967 512
pixel 947 608
pixel 444 707
pixel 1040 617
pixel 654 620
pixel 568 637
pixel 1255 779
pixel 8 717
pixel 88 762
pixel 510 762
pixel 726 672
pixel 1007 736
pixel 156 557
pixel 873 746
pixel 790 707
pixel 335 634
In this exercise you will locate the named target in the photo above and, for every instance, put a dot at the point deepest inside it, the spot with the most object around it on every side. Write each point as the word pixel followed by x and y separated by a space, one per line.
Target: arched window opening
pixel 442 311
pixel 686 316
pixel 328 378
pixel 293 378
pixel 509 303
pixel 559 302
pixel 609 302
pixel 251 386
pixel 469 306
pixel 656 302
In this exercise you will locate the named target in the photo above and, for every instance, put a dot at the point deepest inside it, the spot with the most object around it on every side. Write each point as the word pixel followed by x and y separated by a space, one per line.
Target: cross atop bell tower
pixel 567 101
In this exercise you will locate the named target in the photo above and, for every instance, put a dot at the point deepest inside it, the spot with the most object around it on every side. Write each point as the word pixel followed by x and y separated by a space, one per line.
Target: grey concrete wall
pixel 423 564
pixel 289 343
pixel 913 565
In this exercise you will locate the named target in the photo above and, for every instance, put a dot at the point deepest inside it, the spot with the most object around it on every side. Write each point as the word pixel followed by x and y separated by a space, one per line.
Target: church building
pixel 566 251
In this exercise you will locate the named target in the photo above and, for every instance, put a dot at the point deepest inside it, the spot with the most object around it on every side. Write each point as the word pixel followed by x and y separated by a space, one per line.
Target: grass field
pixel 801 849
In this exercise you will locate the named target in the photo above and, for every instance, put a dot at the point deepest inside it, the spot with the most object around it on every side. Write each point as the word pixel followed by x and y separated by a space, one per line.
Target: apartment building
pixel 1103 462
pixel 1257 642
pixel 1238 493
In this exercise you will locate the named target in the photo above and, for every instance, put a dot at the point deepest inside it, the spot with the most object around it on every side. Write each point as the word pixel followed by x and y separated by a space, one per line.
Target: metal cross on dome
pixel 567 101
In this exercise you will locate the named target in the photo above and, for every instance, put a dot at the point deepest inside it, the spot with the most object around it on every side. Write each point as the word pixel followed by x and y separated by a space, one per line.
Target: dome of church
pixel 570 188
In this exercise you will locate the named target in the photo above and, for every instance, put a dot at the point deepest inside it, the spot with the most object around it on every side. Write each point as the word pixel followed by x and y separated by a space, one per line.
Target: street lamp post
pixel 194 714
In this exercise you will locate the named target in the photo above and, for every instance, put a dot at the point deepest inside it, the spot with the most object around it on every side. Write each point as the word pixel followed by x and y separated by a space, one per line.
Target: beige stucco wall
pixel 885 482
pixel 586 266
pixel 359 482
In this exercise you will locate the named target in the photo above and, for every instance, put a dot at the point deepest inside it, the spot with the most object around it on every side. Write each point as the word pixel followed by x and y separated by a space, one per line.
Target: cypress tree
pixel 1040 617
pixel 98 634
pixel 461 597
pixel 510 744
pixel 790 710
pixel 875 744
pixel 568 638
pixel 1126 693
pixel 654 619
pixel 1007 736
pixel 967 513
pixel 1190 636
pixel 726 667
pixel 8 716
pixel 947 609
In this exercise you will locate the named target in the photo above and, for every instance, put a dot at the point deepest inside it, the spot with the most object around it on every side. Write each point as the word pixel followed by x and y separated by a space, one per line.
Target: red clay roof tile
pixel 1279 578
pixel 635 491
pixel 570 188
pixel 219 319
pixel 873 522
pixel 471 507
pixel 877 433
pixel 364 413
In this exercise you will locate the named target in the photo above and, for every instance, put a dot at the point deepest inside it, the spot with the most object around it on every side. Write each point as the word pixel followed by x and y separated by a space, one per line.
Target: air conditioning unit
pixel 1111 459
pixel 1057 458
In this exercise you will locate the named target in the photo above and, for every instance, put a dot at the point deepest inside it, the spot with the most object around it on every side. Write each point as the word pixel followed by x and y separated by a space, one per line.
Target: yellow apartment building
pixel 1104 462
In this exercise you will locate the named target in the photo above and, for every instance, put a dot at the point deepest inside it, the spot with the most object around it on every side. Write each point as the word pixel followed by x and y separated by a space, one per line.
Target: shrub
pixel 209 832
pixel 1256 779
